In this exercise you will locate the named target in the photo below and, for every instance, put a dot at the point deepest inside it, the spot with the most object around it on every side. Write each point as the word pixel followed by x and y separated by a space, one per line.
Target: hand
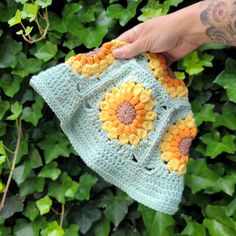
pixel 175 35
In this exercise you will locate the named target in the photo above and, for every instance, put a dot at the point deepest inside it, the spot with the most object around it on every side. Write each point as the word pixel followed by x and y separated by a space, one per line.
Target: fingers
pixel 127 36
pixel 130 35
pixel 129 50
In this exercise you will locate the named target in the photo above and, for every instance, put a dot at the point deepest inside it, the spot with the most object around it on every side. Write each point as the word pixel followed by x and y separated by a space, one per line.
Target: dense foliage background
pixel 45 188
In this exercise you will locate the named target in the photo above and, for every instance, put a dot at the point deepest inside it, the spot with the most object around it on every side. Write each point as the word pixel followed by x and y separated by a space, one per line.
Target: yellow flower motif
pixel 173 86
pixel 94 62
pixel 127 112
pixel 176 143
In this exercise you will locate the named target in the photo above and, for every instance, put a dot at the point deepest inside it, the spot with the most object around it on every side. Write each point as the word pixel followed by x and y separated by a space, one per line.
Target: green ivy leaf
pixel 46 51
pixel 219 223
pixel 30 11
pixel 217 229
pixel 16 19
pixel 3 154
pixel 117 11
pixel 44 204
pixel 219 213
pixel 154 8
pixel 205 114
pixel 116 207
pixel 84 216
pixel 31 211
pixel 28 30
pixel 227 117
pixel 102 227
pixel 199 176
pixel 50 171
pixel 23 227
pixel 5 230
pixel 86 183
pixel 21 172
pixel 31 185
pixel 215 145
pixel 72 41
pixel 24 147
pixel 55 145
pixel 9 48
pixel 231 208
pixel 72 230
pixel 62 188
pixel 157 223
pixel 180 75
pixel 16 109
pixel 13 204
pixel 194 64
pixel 194 229
pixel 10 85
pixel 70 9
pixel 2 186
pixel 4 106
pixel 44 3
pixel 226 79
pixel 90 36
pixel 53 229
pixel 34 113
pixel 7 10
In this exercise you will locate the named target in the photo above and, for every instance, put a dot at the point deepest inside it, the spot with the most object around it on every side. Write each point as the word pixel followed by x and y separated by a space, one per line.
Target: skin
pixel 181 32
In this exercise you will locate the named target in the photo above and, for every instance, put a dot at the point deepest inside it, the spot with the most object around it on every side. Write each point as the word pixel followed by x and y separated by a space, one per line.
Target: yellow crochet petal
pixel 164 146
pixel 109 97
pixel 123 139
pixel 149 105
pixel 145 96
pixel 151 115
pixel 182 169
pixel 173 129
pixel 147 125
pixel 107 125
pixel 134 139
pixel 113 133
pixel 142 133
pixel 173 165
pixel 180 124
pixel 166 156
pixel 167 137
pixel 103 115
pixel 138 89
pixel 104 105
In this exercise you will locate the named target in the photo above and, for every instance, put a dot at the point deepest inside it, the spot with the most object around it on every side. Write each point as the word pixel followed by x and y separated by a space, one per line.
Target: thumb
pixel 129 50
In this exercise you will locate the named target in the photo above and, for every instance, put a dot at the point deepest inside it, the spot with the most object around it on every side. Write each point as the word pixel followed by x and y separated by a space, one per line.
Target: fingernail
pixel 118 52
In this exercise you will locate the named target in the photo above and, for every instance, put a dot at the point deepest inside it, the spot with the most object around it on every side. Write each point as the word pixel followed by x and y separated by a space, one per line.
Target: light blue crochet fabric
pixel 137 170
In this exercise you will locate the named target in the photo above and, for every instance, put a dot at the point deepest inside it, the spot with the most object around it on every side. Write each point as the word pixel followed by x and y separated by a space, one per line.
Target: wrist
pixel 193 29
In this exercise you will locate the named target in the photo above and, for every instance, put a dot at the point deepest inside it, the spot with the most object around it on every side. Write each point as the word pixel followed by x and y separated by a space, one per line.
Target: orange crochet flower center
pixel 173 86
pixel 96 61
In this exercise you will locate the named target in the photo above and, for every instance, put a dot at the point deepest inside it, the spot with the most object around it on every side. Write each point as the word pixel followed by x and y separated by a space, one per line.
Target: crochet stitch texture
pixel 129 120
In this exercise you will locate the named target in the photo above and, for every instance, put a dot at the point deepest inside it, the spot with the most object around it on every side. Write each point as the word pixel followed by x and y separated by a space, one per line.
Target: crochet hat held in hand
pixel 129 120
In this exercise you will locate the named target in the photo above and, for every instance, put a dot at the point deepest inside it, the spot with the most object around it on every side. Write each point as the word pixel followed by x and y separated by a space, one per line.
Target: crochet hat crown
pixel 129 120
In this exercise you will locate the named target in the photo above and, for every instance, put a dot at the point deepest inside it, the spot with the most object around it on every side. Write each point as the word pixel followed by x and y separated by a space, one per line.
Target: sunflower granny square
pixel 129 120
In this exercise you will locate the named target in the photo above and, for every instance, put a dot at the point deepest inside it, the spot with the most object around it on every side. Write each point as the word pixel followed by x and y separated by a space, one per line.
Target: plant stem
pixel 62 214
pixel 19 133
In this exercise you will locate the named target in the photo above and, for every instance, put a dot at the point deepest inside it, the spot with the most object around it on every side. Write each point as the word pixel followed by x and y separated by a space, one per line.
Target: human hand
pixel 175 35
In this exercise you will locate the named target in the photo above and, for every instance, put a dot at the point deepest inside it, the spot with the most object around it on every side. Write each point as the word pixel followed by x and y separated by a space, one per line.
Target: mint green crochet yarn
pixel 129 120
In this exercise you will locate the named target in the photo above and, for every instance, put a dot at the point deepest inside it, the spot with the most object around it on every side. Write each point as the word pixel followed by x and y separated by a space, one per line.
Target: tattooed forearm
pixel 219 17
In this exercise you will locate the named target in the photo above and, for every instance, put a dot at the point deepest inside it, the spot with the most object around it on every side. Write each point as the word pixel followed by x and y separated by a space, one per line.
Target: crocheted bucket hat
pixel 129 120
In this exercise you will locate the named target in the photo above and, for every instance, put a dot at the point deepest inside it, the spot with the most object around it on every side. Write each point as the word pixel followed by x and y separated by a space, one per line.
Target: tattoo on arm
pixel 220 19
